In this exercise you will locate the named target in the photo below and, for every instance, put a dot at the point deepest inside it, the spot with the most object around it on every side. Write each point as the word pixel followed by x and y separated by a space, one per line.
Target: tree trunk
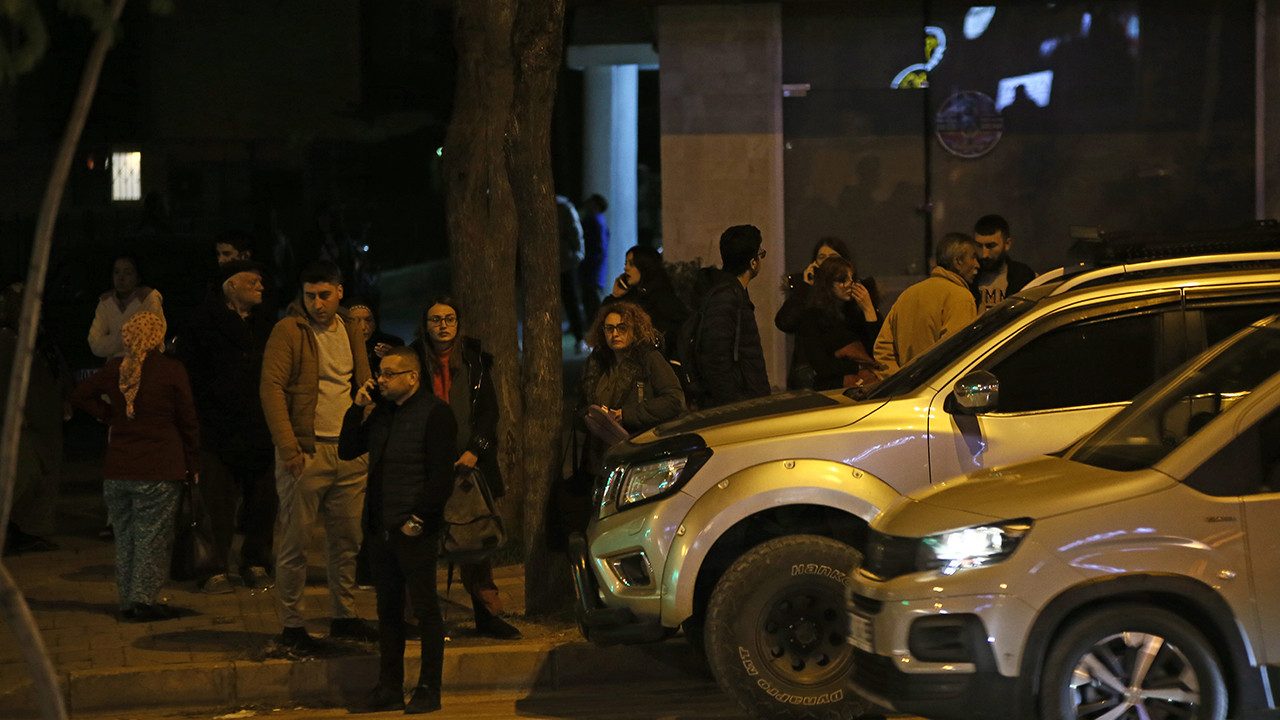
pixel 537 41
pixel 481 214
pixel 25 631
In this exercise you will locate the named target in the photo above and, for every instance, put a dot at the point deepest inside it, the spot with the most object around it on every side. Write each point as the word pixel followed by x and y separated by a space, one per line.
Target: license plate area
pixel 860 631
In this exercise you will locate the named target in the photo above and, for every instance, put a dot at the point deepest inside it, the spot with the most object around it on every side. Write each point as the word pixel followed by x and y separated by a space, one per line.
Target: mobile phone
pixel 375 392
pixel 622 282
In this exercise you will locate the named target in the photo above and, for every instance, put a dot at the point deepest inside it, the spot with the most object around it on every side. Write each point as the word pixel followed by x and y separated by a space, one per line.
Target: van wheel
pixel 1132 660
pixel 775 630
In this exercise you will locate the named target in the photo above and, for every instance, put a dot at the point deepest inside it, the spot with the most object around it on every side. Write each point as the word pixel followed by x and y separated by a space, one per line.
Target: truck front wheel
pixel 775 630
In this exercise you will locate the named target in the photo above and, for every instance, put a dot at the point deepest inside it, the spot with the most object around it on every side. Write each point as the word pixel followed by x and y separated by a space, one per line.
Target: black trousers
pixel 247 479
pixel 399 562
pixel 572 306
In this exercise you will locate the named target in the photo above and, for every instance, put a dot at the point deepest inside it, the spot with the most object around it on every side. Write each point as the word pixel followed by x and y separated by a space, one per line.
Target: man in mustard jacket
pixel 313 365
pixel 937 307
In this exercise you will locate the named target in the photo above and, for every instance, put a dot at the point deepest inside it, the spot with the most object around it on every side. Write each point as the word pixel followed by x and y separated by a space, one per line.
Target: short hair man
pixel 938 306
pixel 232 245
pixel 410 437
pixel 999 275
pixel 222 349
pixel 312 367
pixel 730 357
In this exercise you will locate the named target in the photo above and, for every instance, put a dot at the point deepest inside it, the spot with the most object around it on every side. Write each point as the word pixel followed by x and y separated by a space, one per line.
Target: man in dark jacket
pixel 411 440
pixel 730 357
pixel 999 275
pixel 222 349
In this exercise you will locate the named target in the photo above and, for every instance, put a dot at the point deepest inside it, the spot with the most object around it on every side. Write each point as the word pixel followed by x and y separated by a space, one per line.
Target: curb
pixel 339 680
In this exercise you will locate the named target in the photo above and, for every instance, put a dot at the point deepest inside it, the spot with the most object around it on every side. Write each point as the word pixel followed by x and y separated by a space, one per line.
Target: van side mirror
pixel 976 393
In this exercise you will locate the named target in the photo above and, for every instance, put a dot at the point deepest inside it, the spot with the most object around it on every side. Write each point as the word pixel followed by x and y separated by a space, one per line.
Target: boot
pixel 426 698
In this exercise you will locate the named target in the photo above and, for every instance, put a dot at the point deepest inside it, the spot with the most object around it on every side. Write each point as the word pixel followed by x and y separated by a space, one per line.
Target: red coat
pixel 162 441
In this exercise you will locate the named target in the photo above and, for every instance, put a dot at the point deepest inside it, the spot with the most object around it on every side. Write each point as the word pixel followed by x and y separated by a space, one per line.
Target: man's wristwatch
pixel 413 524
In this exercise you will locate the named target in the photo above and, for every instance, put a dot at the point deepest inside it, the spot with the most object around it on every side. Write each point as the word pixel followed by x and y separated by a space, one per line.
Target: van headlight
pixel 971 546
pixel 630 485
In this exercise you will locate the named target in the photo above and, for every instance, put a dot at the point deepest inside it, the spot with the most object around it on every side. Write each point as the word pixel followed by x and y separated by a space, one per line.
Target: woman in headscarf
pixel 153 445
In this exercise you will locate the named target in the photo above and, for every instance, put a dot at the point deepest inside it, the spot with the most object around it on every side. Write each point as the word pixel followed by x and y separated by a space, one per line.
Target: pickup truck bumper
pixel 599 624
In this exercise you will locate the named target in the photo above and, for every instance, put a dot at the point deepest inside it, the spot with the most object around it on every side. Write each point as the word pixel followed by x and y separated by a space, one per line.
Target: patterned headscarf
pixel 142 333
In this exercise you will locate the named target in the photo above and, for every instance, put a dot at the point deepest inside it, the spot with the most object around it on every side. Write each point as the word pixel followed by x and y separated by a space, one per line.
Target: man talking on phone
pixel 410 438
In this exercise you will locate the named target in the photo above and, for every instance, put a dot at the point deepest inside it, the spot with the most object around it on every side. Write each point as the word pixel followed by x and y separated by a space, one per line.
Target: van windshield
pixel 1178 405
pixel 937 358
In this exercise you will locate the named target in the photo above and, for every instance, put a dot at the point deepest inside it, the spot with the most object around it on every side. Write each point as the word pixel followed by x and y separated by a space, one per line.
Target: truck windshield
pixel 937 358
pixel 1178 405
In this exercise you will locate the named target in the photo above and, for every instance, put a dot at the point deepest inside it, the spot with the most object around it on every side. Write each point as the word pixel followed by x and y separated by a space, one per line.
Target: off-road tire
pixel 775 630
pixel 1183 662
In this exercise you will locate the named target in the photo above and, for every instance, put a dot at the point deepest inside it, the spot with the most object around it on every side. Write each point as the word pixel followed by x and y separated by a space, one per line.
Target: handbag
pixel 569 501
pixel 195 554
pixel 472 528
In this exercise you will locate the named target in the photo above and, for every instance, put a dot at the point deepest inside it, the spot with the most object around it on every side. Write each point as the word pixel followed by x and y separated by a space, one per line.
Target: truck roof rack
pixel 1111 256
pixel 1095 247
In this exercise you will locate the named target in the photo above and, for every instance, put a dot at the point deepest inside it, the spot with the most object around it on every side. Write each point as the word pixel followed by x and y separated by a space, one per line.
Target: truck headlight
pixel 972 546
pixel 630 485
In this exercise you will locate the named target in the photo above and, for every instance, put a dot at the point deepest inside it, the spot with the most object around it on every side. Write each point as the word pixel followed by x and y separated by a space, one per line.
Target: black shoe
pixel 380 699
pixel 496 627
pixel 352 629
pixel 297 641
pixel 426 698
pixel 21 542
pixel 143 612
pixel 107 533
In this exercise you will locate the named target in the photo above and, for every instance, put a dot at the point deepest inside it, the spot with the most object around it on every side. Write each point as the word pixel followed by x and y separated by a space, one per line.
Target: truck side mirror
pixel 977 393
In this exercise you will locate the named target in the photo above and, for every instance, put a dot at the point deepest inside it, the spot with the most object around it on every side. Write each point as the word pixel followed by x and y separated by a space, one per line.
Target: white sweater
pixel 111 315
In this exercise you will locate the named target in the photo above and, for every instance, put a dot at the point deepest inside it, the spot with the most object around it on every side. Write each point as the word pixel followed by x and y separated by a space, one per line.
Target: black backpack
pixel 472 528
pixel 695 388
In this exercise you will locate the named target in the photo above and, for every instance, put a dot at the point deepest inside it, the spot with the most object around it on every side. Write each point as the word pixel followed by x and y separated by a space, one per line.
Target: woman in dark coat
pixel 645 282
pixel 154 445
pixel 458 371
pixel 838 328
pixel 799 287
pixel 626 379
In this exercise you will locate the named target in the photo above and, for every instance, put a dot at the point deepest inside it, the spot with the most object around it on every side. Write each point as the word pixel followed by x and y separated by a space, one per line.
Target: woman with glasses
pixel 458 370
pixel 627 384
pixel 838 328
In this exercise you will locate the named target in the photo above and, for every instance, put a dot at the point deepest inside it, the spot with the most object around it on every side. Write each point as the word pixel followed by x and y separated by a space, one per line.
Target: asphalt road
pixel 692 701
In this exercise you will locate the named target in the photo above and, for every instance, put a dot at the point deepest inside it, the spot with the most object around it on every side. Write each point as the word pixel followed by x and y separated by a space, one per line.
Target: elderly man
pixel 934 308
pixel 222 348
pixel 312 367
pixel 410 438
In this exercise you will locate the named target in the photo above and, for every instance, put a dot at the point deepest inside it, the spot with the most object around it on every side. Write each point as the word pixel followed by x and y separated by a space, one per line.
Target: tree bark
pixel 25 631
pixel 537 42
pixel 481 214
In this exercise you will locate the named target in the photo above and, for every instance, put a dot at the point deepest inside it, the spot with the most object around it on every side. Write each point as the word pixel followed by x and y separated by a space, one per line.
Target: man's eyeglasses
pixel 620 328
pixel 763 252
pixel 392 373
pixel 446 320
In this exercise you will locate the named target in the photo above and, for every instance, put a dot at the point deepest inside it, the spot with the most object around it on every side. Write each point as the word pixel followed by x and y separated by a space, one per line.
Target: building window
pixel 126 176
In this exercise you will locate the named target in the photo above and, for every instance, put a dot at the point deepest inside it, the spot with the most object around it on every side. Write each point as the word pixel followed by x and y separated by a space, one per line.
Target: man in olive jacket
pixel 312 367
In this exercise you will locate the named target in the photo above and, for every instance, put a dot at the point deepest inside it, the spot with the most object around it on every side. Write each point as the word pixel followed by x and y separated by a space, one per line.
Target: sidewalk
pixel 221 653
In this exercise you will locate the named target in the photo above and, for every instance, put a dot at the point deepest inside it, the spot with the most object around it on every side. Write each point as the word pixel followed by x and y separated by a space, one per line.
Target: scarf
pixel 143 333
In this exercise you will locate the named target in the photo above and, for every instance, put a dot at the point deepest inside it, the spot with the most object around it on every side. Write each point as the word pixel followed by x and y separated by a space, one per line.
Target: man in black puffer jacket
pixel 411 440
pixel 730 358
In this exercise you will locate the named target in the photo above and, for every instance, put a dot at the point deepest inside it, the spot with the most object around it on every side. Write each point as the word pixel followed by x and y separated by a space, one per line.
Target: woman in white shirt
pixel 117 305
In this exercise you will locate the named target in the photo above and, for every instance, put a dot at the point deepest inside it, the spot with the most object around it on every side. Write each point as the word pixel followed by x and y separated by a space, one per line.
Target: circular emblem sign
pixel 968 124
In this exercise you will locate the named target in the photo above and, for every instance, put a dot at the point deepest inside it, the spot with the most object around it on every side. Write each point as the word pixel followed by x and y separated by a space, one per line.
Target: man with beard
pixel 999 275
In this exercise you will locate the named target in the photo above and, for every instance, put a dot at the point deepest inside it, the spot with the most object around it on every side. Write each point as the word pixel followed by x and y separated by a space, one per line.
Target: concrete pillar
pixel 721 104
pixel 609 153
